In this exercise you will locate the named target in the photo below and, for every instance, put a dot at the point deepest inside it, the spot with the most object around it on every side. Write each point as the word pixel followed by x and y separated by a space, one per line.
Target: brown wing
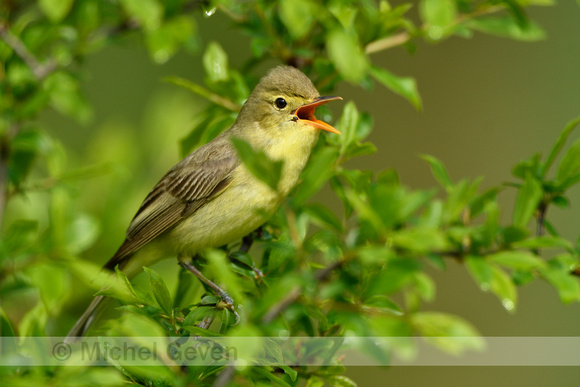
pixel 185 188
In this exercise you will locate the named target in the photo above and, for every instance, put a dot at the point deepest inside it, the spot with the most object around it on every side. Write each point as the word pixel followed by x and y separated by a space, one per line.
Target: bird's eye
pixel 280 103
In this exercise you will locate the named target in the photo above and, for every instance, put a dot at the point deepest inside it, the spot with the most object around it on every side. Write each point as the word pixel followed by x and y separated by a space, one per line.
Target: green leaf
pixel 198 314
pixel 34 322
pixel 215 62
pixel 386 202
pixel 504 288
pixel 439 16
pixel 347 125
pixel 346 54
pixel 6 329
pixel 165 41
pixel 517 260
pixel 149 13
pixel 318 170
pixel 259 164
pixel 506 26
pixel 81 233
pixel 480 270
pixel 559 145
pixel 55 10
pixel 513 234
pixel 561 201
pixel 530 166
pixel 406 87
pixel 219 266
pixel 324 217
pixel 291 372
pixel 450 333
pixel 439 172
pixel 341 381
pixel 375 254
pixel 541 242
pixel 364 211
pixel 420 239
pixel 53 282
pixel 18 237
pixel 570 163
pixel 160 291
pixel 479 203
pixel 459 195
pixel 357 149
pixel 314 381
pixel 123 279
pixel 344 12
pixel 384 302
pixel 566 284
pixel 425 286
pixel 298 16
pixel 412 202
pixel 65 96
pixel 527 201
pixel 397 273
pixel 272 378
pixel 101 280
pixel 490 228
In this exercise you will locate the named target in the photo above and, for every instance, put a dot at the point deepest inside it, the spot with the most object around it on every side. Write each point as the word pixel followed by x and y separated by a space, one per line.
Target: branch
pixel 403 37
pixel 205 93
pixel 540 217
pixel 40 70
pixel 388 42
pixel 321 275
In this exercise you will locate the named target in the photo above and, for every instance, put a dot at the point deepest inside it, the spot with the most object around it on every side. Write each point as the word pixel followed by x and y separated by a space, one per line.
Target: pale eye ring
pixel 280 103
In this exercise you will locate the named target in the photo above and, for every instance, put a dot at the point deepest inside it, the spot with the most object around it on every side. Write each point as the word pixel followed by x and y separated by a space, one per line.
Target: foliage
pixel 311 272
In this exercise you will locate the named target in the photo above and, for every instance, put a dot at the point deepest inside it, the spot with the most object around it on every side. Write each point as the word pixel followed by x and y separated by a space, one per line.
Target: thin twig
pixel 277 308
pixel 225 377
pixel 541 217
pixel 321 275
pixel 40 70
pixel 388 42
pixel 403 37
pixel 207 94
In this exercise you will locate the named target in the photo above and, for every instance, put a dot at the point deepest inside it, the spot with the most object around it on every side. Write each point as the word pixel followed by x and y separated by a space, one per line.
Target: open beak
pixel 305 113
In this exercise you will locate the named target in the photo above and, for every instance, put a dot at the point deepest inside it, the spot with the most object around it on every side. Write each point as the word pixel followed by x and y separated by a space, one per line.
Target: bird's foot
pixel 227 300
pixel 228 303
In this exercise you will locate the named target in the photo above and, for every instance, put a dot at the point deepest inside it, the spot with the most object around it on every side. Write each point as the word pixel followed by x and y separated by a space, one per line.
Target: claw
pixel 229 304
pixel 226 298
pixel 258 273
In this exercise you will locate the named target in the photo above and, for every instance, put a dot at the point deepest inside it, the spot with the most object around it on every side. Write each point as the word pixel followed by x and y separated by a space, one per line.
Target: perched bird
pixel 210 198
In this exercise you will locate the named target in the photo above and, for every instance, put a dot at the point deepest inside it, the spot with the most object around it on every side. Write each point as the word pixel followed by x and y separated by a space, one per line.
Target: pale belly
pixel 239 210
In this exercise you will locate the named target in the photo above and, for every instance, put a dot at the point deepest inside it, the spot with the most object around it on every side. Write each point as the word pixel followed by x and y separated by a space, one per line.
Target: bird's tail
pixel 84 322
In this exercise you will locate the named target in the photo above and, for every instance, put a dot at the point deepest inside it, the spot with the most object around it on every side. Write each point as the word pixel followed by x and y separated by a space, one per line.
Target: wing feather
pixel 182 191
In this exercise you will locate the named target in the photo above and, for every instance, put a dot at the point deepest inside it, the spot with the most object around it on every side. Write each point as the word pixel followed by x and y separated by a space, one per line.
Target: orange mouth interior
pixel 306 114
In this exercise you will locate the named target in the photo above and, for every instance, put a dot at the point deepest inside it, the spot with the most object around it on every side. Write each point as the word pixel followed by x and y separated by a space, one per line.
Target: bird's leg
pixel 247 242
pixel 227 299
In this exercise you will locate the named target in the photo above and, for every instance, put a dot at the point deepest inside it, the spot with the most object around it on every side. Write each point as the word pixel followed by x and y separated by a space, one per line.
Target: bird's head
pixel 284 98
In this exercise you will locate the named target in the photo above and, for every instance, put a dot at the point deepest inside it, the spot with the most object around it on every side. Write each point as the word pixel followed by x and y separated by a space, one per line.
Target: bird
pixel 210 198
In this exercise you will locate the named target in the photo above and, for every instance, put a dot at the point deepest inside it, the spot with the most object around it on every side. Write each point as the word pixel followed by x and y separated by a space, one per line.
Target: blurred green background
pixel 481 97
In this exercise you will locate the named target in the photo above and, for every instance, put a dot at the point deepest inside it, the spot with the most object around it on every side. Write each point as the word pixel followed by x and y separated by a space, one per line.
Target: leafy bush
pixel 311 271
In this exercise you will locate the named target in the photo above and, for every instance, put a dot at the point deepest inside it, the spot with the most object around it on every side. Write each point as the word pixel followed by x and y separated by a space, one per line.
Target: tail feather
pixel 84 322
